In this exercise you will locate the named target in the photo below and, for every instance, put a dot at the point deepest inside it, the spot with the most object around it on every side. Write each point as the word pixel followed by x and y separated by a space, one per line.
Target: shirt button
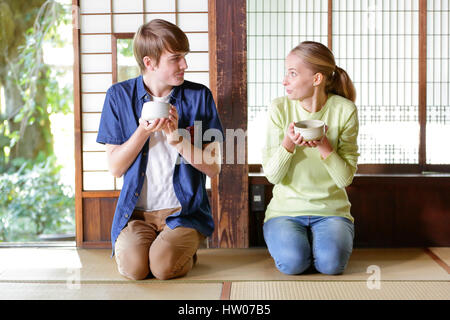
pixel 136 194
pixel 126 216
pixel 143 174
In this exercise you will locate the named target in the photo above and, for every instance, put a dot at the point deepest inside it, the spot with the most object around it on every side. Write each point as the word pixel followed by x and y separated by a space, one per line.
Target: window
pixel 36 124
pixel 438 82
pixel 379 44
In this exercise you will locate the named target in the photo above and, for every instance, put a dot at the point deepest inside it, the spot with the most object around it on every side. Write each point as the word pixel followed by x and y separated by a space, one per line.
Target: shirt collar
pixel 175 94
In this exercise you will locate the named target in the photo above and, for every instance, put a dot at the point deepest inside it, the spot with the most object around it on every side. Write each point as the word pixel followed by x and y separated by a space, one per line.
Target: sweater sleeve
pixel 342 163
pixel 275 158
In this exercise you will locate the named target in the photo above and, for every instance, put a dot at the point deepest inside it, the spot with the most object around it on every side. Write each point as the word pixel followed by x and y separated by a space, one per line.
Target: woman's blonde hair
pixel 319 58
pixel 154 37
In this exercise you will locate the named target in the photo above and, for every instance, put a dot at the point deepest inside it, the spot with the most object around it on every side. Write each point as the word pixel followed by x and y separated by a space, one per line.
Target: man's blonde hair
pixel 153 37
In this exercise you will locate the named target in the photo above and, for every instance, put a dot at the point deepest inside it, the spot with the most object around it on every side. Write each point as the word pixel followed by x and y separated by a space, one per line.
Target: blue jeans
pixel 289 240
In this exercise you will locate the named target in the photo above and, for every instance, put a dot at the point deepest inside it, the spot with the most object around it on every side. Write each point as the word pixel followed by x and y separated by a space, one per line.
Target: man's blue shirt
pixel 120 119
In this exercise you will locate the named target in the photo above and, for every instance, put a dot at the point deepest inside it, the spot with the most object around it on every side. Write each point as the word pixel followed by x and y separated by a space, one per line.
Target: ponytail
pixel 320 59
pixel 340 83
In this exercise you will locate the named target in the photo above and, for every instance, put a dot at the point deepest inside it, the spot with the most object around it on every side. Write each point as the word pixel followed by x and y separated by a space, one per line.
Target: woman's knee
pixel 292 262
pixel 331 263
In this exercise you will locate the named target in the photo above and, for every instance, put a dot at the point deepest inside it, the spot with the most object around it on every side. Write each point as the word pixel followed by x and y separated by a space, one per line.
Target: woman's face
pixel 298 80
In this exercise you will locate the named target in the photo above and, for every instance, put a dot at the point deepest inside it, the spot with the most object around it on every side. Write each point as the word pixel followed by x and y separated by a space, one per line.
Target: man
pixel 163 211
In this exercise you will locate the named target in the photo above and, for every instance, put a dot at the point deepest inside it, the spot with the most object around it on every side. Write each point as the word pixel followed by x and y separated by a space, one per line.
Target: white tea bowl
pixel 152 110
pixel 310 130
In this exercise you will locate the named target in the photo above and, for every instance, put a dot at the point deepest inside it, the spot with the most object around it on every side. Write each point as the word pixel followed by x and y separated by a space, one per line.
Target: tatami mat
pixel 339 290
pixel 122 291
pixel 214 265
pixel 442 253
pixel 257 265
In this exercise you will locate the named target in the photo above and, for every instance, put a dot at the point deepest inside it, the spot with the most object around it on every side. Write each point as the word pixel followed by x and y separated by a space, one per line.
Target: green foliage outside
pixel 32 199
pixel 126 64
pixel 32 203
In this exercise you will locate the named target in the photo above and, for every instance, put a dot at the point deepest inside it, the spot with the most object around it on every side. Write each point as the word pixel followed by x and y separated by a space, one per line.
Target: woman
pixel 308 220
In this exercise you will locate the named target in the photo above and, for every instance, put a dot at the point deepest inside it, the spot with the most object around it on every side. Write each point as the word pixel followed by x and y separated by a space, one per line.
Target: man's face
pixel 171 67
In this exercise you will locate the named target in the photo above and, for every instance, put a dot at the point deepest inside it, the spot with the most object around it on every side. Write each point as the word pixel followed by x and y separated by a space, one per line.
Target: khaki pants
pixel 146 245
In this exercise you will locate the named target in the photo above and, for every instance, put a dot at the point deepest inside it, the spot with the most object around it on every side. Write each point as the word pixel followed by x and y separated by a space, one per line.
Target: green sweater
pixel 306 184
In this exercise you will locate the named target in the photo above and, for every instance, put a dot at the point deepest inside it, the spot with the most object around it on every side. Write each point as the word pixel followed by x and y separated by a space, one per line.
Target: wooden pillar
pixel 422 83
pixel 228 82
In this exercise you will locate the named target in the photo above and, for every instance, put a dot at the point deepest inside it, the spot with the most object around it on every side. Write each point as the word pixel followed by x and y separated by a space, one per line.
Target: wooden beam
pixel 77 123
pixel 422 82
pixel 228 72
pixel 330 24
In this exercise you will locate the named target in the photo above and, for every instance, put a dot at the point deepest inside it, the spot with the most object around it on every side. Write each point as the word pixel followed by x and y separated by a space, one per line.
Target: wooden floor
pixel 225 274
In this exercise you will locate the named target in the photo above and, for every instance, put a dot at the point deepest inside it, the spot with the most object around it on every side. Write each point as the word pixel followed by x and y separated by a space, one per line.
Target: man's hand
pixel 155 125
pixel 171 127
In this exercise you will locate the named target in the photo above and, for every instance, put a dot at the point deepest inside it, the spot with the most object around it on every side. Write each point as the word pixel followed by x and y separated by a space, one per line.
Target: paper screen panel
pixel 197 62
pixel 92 102
pixel 91 122
pixel 98 20
pixel 97 6
pixel 165 16
pixel 96 63
pixel 96 43
pixel 95 24
pixel 377 44
pixel 95 82
pixel 95 161
pixel 193 21
pixel 438 82
pixel 119 183
pixel 198 41
pixel 90 144
pixel 192 5
pixel 200 77
pixel 127 6
pixel 98 181
pixel 160 6
pixel 273 29
pixel 126 22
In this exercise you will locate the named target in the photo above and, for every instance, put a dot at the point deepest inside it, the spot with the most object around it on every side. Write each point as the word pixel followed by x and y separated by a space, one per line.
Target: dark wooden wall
pixel 396 211
pixel 390 211
pixel 98 213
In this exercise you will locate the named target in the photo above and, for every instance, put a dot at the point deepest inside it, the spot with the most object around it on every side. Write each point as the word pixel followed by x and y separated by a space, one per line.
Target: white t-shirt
pixel 157 192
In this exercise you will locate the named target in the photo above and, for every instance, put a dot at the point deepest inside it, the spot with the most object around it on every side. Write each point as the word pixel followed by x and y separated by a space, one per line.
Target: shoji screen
pixel 99 20
pixel 273 29
pixel 377 43
pixel 438 82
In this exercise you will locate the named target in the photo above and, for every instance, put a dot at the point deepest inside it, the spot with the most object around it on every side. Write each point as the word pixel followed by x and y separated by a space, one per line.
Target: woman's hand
pixel 293 139
pixel 323 145
pixel 171 128
pixel 296 138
